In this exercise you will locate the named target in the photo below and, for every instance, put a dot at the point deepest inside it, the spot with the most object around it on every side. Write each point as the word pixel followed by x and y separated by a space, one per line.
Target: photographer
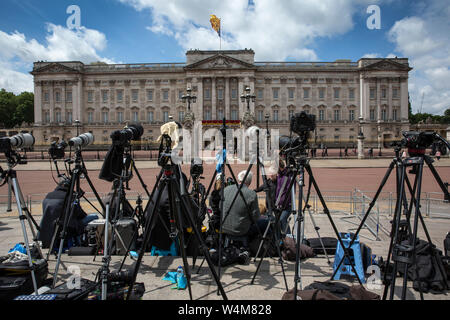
pixel 238 222
pixel 286 196
pixel 52 208
pixel 272 186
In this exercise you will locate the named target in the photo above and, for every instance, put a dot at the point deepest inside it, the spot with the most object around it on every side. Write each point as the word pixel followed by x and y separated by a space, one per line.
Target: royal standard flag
pixel 215 23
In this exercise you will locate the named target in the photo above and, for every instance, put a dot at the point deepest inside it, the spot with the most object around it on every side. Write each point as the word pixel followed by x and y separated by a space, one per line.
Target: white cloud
pixel 18 53
pixel 275 30
pixel 424 39
pixel 371 55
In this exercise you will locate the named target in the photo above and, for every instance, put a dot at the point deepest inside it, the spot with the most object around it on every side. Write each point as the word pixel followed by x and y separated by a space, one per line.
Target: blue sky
pixel 133 31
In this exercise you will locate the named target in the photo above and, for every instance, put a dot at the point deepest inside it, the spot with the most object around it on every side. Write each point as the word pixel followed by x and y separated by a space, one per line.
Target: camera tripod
pixel 71 202
pixel 10 177
pixel 171 177
pixel 221 168
pixel 298 166
pixel 401 229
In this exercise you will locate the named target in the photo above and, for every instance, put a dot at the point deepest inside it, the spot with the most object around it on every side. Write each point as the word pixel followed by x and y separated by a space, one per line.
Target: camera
pixel 83 140
pixel 132 132
pixel 22 140
pixel 56 150
pixel 196 167
pixel 302 123
pixel 417 142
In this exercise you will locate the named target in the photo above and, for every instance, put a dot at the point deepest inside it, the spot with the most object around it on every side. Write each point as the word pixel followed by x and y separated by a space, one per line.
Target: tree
pixel 14 110
pixel 7 108
pixel 25 108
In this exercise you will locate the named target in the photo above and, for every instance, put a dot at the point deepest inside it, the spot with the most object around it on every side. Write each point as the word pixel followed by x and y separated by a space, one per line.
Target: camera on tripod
pixel 132 132
pixel 57 150
pixel 418 142
pixel 301 124
pixel 22 140
pixel 82 140
pixel 196 167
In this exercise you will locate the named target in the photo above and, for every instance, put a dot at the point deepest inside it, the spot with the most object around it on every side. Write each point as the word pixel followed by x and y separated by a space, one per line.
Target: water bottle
pixel 181 279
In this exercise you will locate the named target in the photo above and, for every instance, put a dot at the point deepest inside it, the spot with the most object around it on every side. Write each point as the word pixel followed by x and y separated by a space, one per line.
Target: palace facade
pixel 368 96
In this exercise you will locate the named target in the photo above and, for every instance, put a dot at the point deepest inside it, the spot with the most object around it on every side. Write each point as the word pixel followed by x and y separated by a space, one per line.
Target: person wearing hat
pixel 272 187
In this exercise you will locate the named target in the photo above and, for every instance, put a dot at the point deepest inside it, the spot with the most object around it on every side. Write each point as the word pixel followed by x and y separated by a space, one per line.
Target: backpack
pixel 331 291
pixel 329 243
pixel 288 250
pixel 425 272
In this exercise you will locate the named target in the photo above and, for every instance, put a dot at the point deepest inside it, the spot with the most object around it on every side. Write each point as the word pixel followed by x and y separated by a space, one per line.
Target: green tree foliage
pixel 14 110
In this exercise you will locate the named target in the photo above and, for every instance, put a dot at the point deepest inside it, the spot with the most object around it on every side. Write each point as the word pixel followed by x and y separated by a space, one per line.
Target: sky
pixel 145 31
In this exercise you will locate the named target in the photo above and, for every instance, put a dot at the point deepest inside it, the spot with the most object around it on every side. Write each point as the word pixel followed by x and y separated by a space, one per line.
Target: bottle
pixel 181 279
pixel 180 273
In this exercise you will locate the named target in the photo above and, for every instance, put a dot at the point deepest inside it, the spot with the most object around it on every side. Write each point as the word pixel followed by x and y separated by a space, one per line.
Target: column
pixel 77 100
pixel 213 98
pixel 198 110
pixel 227 98
pixel 240 92
pixel 362 96
pixel 404 98
pixel 378 99
pixel 52 101
pixel 38 103
pixel 390 107
pixel 64 103
pixel 252 91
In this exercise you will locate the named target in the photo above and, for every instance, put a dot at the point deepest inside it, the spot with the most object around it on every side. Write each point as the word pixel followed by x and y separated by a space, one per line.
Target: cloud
pixel 275 30
pixel 423 38
pixel 371 55
pixel 17 53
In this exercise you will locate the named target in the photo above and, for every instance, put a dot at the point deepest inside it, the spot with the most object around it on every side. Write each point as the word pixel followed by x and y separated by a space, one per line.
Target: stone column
pixel 52 101
pixel 252 91
pixel 390 107
pixel 227 98
pixel 77 100
pixel 38 103
pixel 241 88
pixel 404 98
pixel 64 103
pixel 213 99
pixel 198 110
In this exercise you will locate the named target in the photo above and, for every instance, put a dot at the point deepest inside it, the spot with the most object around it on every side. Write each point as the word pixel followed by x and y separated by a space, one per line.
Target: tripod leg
pixel 150 223
pixel 203 247
pixel 22 217
pixel 372 204
pixel 68 212
pixel 414 237
pixel 327 212
pixel 174 205
pixel 396 226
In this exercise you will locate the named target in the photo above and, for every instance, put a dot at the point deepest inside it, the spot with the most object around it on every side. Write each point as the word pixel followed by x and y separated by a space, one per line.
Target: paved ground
pixel 269 284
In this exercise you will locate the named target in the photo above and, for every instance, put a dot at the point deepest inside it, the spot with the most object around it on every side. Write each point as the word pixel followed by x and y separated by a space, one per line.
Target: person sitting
pixel 242 221
pixel 272 188
pixel 53 208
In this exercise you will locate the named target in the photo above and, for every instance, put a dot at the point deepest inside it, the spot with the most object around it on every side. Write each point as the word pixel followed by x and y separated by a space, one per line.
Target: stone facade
pixel 370 95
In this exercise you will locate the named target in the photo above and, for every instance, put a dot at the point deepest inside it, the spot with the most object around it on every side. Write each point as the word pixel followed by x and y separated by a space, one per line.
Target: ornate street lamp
pixel 188 97
pixel 189 118
pixel 246 96
pixel 248 119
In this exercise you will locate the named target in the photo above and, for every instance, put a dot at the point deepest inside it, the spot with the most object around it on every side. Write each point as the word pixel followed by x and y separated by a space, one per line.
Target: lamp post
pixel 268 132
pixel 188 97
pixel 246 96
pixel 188 121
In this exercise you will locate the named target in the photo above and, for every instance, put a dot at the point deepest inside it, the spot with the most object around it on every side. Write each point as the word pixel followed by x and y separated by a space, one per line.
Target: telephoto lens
pixel 134 131
pixel 22 140
pixel 83 140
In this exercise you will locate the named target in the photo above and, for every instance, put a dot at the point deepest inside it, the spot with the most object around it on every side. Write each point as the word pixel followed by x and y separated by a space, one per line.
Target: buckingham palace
pixel 368 97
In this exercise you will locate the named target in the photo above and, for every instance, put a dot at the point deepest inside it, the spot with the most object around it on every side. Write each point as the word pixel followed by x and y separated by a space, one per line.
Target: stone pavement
pixel 269 284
